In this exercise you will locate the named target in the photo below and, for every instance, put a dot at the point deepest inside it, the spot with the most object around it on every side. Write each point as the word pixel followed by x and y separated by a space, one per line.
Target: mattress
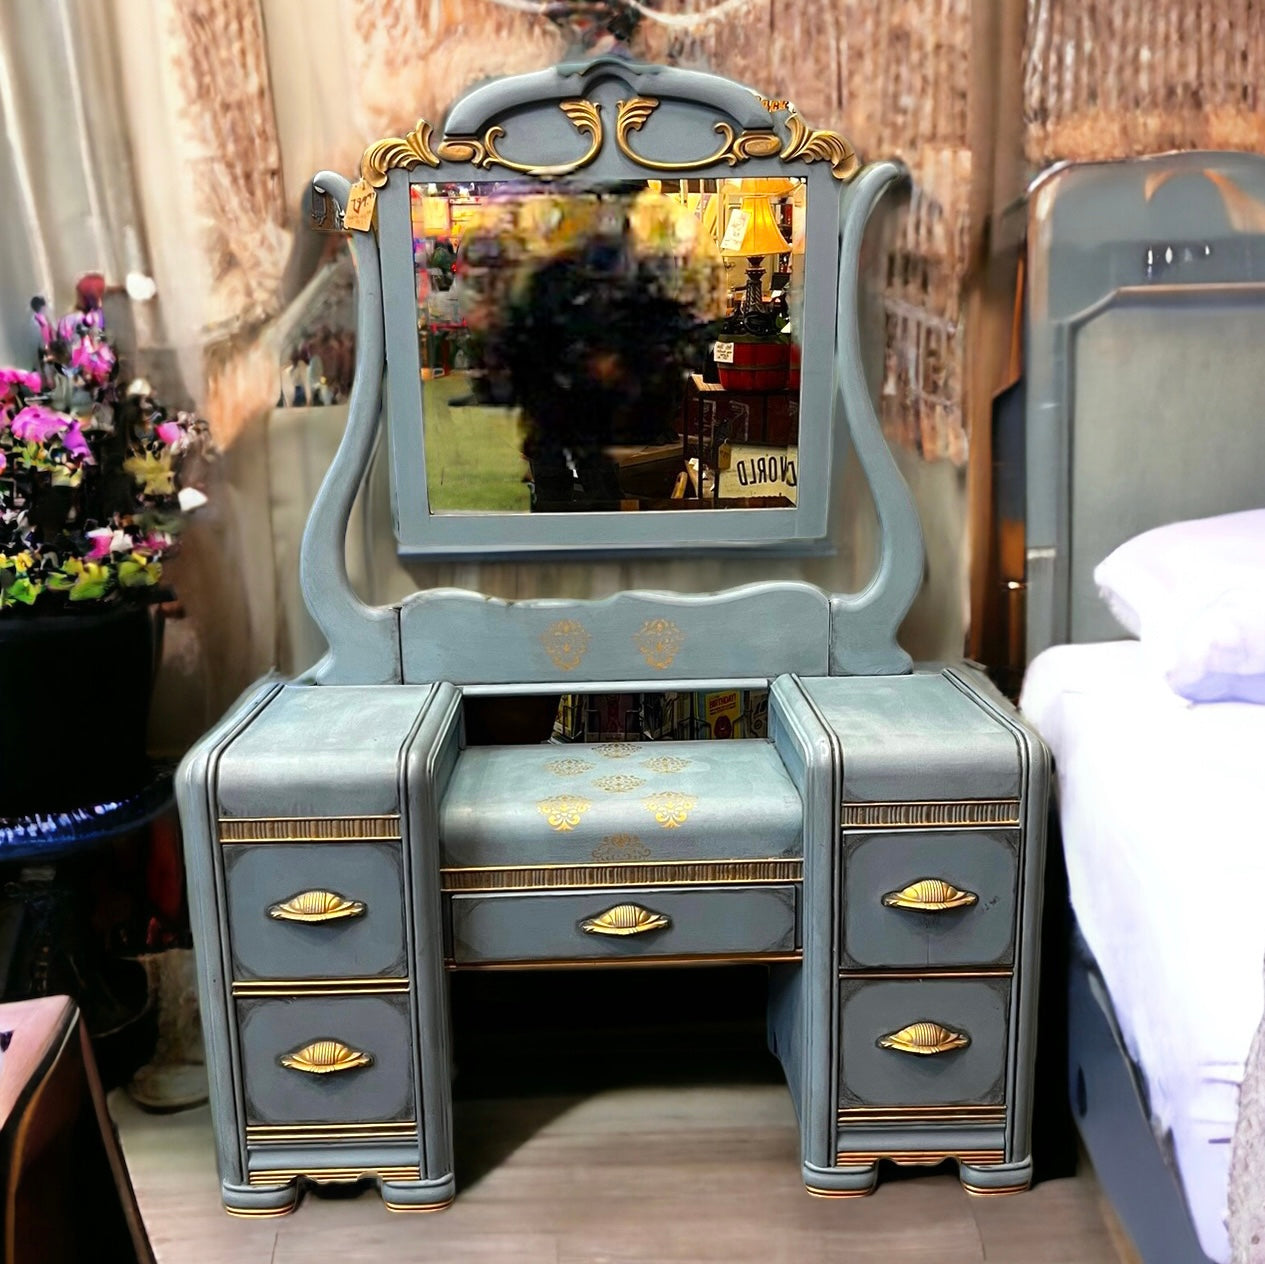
pixel 1160 804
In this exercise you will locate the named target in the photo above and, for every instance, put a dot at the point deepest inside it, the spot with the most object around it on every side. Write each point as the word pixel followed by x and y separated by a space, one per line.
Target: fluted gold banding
pixel 309 829
pixel 914 1158
pixel 930 815
pixel 627 874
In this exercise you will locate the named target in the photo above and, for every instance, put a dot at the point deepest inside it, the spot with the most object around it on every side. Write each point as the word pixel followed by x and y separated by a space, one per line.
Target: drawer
pixel 369 1080
pixel 360 936
pixel 614 924
pixel 875 1013
pixel 968 913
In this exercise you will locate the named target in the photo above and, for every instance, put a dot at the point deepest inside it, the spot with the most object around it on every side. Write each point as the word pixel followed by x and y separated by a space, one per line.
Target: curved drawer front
pixel 914 899
pixel 629 924
pixel 350 1060
pixel 901 1042
pixel 315 910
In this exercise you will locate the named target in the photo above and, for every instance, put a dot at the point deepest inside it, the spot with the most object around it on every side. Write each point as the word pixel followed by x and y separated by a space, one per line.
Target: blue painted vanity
pixel 880 850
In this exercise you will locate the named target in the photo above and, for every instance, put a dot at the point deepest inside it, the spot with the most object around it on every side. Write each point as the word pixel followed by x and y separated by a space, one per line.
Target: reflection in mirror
pixel 612 348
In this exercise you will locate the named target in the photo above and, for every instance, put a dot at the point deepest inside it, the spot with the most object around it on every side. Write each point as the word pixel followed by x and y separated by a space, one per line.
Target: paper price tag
pixel 724 353
pixel 735 231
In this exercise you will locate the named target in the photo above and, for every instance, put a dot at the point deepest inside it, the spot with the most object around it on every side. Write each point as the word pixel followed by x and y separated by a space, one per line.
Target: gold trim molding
pixel 916 1158
pixel 652 873
pixel 304 1134
pixel 857 1116
pixel 608 963
pixel 283 1176
pixel 420 148
pixel 929 814
pixel 319 987
pixel 310 829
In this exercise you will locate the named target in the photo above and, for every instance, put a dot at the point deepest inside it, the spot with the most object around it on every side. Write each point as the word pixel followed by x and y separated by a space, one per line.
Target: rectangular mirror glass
pixel 610 348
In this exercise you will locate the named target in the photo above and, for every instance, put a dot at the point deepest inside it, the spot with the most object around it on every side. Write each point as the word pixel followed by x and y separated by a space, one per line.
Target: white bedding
pixel 1163 822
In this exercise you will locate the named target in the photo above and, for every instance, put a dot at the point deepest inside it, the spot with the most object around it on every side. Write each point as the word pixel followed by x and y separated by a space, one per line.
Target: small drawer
pixel 922 1042
pixel 332 1060
pixel 315 910
pixel 929 899
pixel 638 922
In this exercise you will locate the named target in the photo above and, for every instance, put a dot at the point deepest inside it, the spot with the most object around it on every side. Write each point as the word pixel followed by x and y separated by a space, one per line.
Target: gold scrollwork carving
pixel 323 1057
pixel 670 808
pixel 659 641
pixel 563 811
pixel 585 117
pixel 807 144
pixel 924 1038
pixel 736 147
pixel 566 642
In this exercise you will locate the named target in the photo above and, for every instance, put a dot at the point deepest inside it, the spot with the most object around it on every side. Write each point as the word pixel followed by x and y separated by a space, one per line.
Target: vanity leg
pixel 418 1195
pixel 840 1182
pixel 256 1201
pixel 996 1178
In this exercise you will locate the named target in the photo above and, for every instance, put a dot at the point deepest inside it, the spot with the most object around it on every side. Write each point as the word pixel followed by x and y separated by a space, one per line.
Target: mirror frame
pixel 610 120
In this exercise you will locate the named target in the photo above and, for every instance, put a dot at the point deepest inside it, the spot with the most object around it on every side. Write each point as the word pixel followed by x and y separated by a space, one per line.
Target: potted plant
pixel 95 485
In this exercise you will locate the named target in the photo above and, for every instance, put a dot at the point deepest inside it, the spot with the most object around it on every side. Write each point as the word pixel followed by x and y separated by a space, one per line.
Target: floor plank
pixel 682 1174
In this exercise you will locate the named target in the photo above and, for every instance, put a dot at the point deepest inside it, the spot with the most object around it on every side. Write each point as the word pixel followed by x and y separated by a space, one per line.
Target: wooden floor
pixel 689 1173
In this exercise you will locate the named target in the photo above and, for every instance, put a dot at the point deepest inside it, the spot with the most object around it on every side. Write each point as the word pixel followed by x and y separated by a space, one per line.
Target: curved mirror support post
pixel 863 625
pixel 364 641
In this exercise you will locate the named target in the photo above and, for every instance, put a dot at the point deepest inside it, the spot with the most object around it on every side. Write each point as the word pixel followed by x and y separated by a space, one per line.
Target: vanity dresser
pixel 879 847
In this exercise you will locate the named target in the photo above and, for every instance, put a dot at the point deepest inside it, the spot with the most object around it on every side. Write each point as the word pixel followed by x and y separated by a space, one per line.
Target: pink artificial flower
pixel 38 424
pixel 93 359
pixel 18 377
pixel 101 539
pixel 169 432
pixel 74 443
pixel 4 461
pixel 155 542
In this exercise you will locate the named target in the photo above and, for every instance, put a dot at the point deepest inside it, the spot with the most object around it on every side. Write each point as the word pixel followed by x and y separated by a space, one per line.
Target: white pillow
pixel 1194 594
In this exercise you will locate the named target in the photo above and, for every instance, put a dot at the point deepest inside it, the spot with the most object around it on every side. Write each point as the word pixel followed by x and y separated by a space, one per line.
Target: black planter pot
pixel 74 692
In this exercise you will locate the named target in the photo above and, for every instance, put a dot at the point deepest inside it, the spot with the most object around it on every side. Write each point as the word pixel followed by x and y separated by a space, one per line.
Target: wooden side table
pixel 67 1196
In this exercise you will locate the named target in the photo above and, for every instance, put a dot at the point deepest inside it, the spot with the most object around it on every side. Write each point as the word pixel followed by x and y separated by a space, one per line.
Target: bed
pixel 1144 387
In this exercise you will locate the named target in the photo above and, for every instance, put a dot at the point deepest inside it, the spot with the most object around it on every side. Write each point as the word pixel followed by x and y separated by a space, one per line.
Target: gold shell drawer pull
pixel 925 1038
pixel 316 906
pixel 930 895
pixel 625 919
pixel 322 1057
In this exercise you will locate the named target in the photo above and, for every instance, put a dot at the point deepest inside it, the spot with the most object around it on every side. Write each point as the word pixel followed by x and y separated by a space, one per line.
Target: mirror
pixel 610 347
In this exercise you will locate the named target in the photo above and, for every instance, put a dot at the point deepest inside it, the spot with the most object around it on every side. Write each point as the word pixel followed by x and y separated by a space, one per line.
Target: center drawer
pixel 624 924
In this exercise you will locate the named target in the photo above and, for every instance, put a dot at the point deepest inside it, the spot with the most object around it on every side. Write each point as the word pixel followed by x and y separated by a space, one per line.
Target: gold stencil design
pixel 620 848
pixel 666 763
pixel 670 808
pixel 566 642
pixel 563 811
pixel 620 783
pixel 659 641
pixel 617 750
pixel 569 767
